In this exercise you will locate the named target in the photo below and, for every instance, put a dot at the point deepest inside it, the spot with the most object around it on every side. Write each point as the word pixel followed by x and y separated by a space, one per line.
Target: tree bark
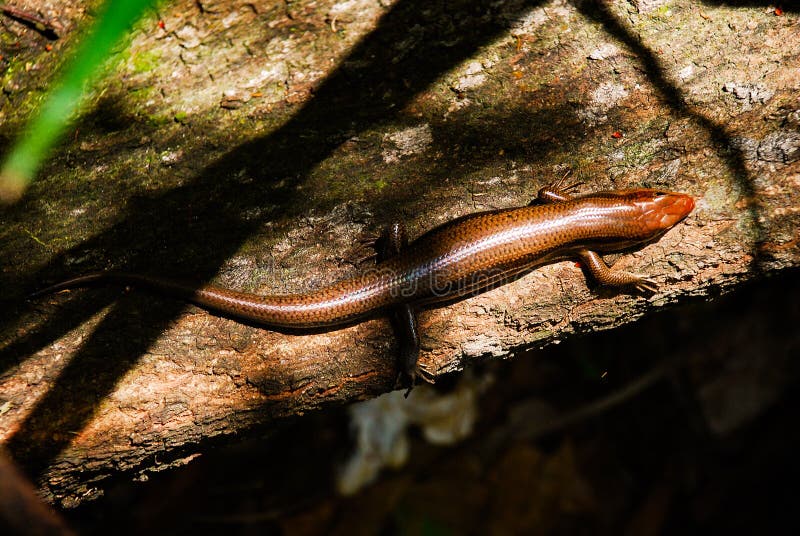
pixel 253 145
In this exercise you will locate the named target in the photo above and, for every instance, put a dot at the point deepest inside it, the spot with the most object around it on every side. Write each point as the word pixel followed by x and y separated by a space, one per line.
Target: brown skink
pixel 459 258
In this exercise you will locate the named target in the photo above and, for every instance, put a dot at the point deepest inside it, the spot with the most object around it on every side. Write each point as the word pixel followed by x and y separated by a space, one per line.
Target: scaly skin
pixel 461 257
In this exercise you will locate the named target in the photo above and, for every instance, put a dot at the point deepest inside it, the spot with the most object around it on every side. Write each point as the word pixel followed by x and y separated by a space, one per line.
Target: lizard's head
pixel 643 215
pixel 660 210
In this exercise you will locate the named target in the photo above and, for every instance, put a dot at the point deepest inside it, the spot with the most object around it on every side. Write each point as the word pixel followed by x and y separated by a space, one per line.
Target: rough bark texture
pixel 253 144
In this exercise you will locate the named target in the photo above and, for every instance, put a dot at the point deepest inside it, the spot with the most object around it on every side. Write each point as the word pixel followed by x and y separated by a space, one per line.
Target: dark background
pixel 652 464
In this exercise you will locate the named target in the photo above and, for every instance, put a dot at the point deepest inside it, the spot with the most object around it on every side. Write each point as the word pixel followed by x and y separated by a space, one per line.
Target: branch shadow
pixel 199 224
pixel 597 11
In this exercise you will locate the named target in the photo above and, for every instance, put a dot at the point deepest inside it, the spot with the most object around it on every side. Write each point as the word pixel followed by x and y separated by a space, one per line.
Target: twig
pixel 598 406
pixel 41 25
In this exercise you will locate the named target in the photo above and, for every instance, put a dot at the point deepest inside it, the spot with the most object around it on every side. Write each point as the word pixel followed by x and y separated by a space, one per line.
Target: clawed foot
pixel 642 284
pixel 406 379
pixel 557 191
pixel 368 241
pixel 559 185
pixel 364 250
pixel 595 265
pixel 369 257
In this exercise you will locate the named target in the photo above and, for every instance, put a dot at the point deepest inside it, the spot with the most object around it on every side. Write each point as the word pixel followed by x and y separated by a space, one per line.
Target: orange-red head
pixel 660 210
pixel 632 217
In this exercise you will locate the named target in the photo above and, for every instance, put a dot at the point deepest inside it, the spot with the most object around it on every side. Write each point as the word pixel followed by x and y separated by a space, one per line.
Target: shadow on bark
pixel 200 225
pixel 597 11
pixel 203 217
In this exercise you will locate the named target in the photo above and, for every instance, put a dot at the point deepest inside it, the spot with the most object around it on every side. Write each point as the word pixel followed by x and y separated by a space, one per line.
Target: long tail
pixel 175 288
pixel 328 307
